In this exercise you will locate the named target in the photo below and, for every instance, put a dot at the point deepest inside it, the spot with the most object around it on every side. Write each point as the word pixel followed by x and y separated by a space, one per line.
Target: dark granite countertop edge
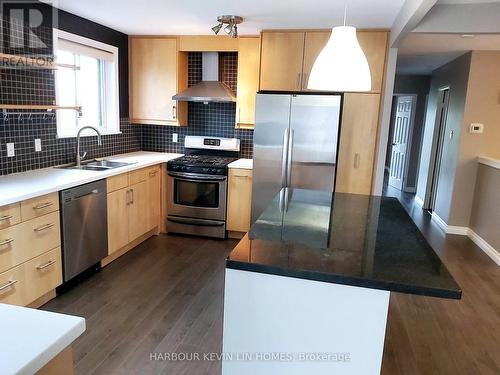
pixel 344 280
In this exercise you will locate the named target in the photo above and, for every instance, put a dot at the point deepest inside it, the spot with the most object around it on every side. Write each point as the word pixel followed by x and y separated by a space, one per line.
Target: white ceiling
pixel 421 53
pixel 197 16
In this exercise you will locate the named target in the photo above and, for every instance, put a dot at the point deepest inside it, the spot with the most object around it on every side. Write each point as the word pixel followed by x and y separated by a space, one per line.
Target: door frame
pixel 410 139
pixel 438 137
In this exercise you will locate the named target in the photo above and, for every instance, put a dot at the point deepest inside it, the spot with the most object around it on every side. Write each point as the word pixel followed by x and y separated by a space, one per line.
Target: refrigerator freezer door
pixel 314 129
pixel 272 121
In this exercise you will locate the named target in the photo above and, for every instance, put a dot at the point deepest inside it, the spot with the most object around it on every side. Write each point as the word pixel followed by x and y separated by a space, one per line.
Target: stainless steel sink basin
pixel 96 165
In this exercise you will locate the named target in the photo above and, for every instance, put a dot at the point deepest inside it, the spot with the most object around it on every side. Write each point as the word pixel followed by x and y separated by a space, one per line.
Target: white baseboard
pixel 419 201
pixel 493 253
pixel 485 246
pixel 449 229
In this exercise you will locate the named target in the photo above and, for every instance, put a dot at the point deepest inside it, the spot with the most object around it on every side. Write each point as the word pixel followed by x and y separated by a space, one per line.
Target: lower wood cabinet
pixel 239 200
pixel 31 280
pixel 133 206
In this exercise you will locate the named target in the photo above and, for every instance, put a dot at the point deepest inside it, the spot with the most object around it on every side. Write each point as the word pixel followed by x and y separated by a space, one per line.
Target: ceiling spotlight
pixel 230 21
pixel 217 28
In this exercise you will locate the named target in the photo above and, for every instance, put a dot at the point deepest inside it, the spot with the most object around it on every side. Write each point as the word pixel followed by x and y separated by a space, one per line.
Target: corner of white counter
pixel 491 162
pixel 31 338
pixel 241 164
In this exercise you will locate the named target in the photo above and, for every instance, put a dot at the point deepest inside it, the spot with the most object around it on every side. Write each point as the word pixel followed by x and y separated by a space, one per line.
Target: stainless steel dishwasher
pixel 84 227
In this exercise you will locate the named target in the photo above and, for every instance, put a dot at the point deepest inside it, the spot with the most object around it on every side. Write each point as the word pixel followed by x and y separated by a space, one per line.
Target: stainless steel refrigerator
pixel 295 145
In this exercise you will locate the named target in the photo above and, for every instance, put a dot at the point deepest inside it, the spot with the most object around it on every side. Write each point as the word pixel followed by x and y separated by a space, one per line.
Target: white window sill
pixel 85 134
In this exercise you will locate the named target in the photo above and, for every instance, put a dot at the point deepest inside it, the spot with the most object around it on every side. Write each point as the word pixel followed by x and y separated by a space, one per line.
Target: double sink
pixel 95 165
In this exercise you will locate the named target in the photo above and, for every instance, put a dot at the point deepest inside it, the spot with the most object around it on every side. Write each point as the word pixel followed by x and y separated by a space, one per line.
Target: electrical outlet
pixel 175 137
pixel 11 152
pixel 38 145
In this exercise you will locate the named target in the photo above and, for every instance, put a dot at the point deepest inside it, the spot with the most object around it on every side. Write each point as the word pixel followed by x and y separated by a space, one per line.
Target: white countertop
pixel 30 338
pixel 20 186
pixel 242 164
pixel 495 163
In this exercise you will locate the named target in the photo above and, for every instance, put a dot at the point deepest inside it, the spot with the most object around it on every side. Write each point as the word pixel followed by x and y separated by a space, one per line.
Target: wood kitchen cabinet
pixel 286 62
pixel 358 135
pixel 281 60
pixel 239 200
pixel 155 75
pixel 30 251
pixel 248 81
pixel 133 207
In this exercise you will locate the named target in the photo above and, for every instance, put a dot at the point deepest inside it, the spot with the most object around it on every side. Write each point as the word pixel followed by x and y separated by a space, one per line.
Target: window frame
pixel 110 85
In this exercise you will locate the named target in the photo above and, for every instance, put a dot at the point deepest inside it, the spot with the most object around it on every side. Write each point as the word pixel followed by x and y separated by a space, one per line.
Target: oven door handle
pixel 197 222
pixel 196 179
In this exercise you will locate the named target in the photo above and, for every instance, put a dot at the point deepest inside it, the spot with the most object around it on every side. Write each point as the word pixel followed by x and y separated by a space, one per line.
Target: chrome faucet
pixel 78 156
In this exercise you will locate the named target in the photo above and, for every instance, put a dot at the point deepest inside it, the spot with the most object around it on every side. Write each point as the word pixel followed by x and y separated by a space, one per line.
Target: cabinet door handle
pixel 43 205
pixel 131 196
pixel 356 160
pixel 128 196
pixel 44 227
pixel 174 112
pixel 153 173
pixel 9 284
pixel 48 264
pixel 6 242
pixel 304 81
pixel 5 218
pixel 298 80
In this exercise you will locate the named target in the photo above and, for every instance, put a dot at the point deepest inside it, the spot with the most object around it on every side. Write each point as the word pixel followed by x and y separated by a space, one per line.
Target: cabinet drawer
pixel 31 280
pixel 117 182
pixel 29 239
pixel 39 206
pixel 142 174
pixel 10 215
pixel 245 173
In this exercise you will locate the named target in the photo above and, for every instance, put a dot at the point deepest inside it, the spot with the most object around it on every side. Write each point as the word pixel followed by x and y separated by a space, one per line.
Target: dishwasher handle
pixel 95 191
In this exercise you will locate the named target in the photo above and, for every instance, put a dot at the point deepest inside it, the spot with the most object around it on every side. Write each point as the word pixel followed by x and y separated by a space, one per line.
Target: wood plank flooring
pixel 167 296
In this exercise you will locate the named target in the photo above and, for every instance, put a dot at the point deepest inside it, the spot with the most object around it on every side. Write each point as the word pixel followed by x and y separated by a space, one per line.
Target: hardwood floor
pixel 167 296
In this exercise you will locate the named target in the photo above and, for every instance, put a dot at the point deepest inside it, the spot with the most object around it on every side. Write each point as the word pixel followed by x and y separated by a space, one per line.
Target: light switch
pixel 11 152
pixel 175 137
pixel 38 145
pixel 476 128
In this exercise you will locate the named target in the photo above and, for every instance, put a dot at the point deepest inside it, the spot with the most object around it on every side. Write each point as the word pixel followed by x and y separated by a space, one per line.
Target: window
pixel 93 85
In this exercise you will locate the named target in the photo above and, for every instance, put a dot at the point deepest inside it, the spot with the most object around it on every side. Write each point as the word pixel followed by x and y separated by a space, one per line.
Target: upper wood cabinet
pixel 281 61
pixel 288 57
pixel 154 78
pixel 358 135
pixel 248 81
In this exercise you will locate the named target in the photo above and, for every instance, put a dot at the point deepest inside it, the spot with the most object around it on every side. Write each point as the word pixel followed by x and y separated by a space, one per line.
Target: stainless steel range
pixel 197 186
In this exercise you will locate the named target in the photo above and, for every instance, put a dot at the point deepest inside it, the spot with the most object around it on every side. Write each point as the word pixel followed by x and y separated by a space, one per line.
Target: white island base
pixel 290 326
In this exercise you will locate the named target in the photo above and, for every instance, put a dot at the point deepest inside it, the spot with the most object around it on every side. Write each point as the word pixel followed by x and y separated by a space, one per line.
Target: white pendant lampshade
pixel 341 65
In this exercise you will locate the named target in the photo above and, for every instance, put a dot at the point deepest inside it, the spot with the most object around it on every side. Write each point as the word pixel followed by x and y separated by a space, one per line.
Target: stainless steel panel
pixel 192 211
pixel 198 227
pixel 314 126
pixel 272 120
pixel 84 227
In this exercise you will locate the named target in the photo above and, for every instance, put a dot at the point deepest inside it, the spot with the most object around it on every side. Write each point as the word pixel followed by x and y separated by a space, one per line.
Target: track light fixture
pixel 231 21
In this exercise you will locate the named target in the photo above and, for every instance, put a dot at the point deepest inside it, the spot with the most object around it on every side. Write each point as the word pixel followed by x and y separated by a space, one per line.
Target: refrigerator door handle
pixel 289 159
pixel 284 155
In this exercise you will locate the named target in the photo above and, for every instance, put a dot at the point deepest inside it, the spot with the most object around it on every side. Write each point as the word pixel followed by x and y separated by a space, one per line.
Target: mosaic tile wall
pixel 29 86
pixel 212 119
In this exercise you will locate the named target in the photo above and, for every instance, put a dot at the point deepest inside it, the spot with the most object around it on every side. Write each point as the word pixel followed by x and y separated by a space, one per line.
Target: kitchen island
pixel 307 290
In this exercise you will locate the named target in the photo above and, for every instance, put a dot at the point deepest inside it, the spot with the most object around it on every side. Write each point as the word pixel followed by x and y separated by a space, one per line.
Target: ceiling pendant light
pixel 341 65
pixel 231 21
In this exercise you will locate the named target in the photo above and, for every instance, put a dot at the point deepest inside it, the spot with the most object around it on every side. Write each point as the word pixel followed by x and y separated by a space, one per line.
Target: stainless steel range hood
pixel 210 89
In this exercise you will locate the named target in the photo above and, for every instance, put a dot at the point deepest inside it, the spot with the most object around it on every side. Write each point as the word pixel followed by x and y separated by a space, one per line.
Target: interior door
pixel 272 122
pixel 401 141
pixel 313 141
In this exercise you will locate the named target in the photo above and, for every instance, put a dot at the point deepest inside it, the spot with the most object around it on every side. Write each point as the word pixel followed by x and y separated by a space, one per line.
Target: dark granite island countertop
pixel 357 240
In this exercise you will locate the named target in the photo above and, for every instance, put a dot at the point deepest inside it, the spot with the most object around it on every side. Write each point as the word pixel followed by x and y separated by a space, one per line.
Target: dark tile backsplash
pixel 37 87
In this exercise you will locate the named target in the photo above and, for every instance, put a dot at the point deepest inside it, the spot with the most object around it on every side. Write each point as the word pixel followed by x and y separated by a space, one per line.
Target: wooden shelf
pixel 40 63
